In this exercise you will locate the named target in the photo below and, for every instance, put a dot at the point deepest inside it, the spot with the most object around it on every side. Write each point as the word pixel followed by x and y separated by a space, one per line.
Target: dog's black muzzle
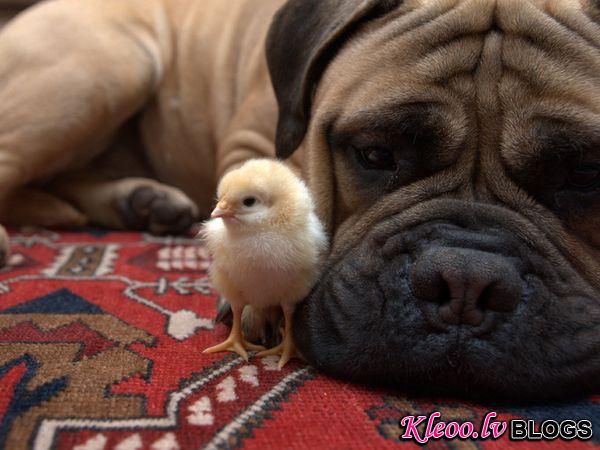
pixel 459 304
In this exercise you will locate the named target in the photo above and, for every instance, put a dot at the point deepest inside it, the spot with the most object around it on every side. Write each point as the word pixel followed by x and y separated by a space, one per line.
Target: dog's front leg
pixel 71 74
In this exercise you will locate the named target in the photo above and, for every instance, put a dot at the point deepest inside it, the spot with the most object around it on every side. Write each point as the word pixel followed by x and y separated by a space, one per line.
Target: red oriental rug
pixel 100 348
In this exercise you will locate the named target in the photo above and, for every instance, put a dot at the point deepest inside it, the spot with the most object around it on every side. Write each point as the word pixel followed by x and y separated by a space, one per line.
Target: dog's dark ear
pixel 304 36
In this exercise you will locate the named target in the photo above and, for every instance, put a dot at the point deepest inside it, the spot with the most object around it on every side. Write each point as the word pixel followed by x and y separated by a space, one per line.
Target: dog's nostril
pixel 466 283
pixel 483 302
pixel 445 294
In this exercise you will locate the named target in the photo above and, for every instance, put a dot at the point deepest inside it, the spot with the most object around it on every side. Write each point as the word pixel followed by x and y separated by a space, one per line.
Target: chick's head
pixel 262 192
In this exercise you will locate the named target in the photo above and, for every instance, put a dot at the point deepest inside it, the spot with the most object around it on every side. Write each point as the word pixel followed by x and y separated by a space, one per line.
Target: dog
pixel 452 146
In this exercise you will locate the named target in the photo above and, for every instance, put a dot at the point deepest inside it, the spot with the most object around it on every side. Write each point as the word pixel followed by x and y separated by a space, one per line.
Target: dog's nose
pixel 466 283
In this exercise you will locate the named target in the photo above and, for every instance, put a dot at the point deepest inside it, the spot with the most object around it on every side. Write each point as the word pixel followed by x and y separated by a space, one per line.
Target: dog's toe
pixel 170 217
pixel 159 211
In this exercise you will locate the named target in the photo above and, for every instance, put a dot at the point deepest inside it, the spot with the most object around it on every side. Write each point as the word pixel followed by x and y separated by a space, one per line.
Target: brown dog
pixel 452 147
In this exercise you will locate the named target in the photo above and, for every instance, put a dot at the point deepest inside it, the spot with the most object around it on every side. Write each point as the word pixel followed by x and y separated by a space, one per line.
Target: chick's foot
pixel 286 351
pixel 235 343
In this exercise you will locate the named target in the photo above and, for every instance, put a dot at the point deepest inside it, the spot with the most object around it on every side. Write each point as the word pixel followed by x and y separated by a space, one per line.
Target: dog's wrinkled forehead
pixel 409 48
pixel 534 65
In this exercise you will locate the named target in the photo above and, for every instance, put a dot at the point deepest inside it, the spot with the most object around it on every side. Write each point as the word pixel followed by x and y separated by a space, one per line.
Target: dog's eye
pixel 375 158
pixel 249 202
pixel 584 177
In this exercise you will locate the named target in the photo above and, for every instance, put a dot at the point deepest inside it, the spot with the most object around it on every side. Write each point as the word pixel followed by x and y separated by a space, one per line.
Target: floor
pixel 100 348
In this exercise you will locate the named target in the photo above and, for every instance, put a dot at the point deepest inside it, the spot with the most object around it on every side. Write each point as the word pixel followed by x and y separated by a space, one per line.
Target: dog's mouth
pixel 474 309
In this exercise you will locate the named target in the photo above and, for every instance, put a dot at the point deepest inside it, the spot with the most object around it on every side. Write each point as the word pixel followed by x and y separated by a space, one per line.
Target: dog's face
pixel 454 148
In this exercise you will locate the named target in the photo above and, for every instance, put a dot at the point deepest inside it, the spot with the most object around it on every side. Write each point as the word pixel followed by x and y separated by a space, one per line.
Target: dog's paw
pixel 158 209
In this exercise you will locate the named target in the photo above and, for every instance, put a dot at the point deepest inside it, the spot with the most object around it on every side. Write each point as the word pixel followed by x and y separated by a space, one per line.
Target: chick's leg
pixel 287 348
pixel 235 342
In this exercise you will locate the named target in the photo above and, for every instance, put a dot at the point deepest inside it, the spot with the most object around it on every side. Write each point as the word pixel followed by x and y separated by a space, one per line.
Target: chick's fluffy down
pixel 274 258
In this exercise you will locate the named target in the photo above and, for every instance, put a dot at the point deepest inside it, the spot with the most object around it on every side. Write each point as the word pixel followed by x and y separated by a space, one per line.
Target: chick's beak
pixel 223 211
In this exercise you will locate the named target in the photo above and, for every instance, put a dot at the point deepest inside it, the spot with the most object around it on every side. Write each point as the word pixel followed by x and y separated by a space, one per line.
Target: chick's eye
pixel 584 177
pixel 375 158
pixel 249 202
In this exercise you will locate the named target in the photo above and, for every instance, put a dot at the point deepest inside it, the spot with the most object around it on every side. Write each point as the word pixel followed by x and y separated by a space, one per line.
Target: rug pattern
pixel 100 348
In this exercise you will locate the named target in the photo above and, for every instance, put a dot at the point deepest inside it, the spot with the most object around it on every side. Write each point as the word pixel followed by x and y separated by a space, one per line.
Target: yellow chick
pixel 266 243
